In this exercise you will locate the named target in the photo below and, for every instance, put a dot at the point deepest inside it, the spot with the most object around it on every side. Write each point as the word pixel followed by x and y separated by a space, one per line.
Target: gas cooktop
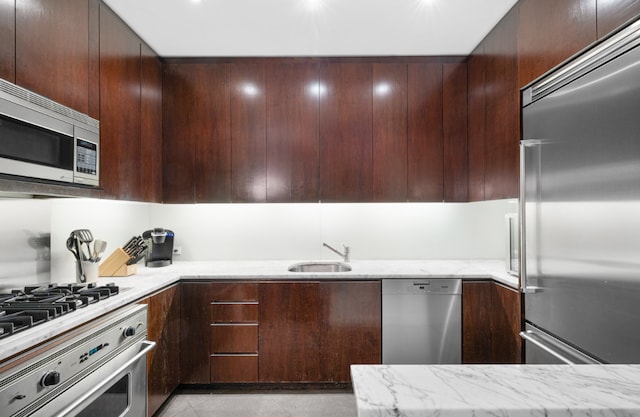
pixel 26 308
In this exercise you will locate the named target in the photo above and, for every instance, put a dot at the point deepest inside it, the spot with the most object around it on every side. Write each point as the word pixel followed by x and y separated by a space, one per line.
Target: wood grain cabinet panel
pixel 52 45
pixel 164 361
pixel 425 134
pixel 502 110
pixel 195 314
pixel 476 119
pixel 292 100
pixel 8 36
pixel 491 322
pixel 351 327
pixel 234 312
pixel 454 127
pixel 234 368
pixel 248 133
pixel 289 332
pixel 234 292
pixel 389 132
pixel 234 338
pixel 614 13
pixel 196 133
pixel 120 118
pixel 151 126
pixel 346 132
pixel 550 31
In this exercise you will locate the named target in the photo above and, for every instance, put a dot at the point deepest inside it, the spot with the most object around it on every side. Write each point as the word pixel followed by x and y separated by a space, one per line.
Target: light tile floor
pixel 260 404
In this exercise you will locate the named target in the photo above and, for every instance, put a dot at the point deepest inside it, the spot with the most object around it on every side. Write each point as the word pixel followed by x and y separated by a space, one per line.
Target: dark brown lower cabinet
pixel 163 362
pixel 289 332
pixel 491 322
pixel 195 316
pixel 314 331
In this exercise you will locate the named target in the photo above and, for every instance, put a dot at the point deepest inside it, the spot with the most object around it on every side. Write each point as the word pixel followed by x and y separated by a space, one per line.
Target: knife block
pixel 116 265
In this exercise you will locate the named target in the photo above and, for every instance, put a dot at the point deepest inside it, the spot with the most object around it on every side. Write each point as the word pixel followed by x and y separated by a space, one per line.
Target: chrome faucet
pixel 345 255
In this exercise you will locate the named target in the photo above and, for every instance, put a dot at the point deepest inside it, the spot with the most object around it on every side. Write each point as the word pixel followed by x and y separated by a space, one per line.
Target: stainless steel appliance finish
pixel 580 199
pixel 45 140
pixel 99 370
pixel 421 321
pixel 542 348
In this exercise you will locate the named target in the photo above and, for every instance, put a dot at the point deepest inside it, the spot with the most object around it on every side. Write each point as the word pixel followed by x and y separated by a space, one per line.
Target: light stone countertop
pixel 497 390
pixel 149 280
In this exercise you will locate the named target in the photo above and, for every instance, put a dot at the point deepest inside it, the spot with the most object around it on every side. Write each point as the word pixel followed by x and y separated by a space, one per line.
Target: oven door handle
pixel 148 345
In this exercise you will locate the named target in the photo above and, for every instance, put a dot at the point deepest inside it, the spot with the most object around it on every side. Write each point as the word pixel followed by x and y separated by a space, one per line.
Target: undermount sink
pixel 320 267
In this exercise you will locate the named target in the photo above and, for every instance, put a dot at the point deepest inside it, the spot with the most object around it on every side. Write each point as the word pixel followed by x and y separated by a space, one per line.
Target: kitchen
pixel 376 225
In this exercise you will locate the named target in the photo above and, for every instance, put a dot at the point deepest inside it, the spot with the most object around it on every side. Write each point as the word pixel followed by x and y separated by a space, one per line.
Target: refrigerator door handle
pixel 529 336
pixel 524 145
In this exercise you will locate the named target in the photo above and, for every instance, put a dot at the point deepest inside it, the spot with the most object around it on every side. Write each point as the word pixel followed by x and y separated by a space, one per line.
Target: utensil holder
pixel 116 265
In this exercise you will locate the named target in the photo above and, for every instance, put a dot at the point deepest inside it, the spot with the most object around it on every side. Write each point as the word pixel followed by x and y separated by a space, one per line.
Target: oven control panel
pixel 36 381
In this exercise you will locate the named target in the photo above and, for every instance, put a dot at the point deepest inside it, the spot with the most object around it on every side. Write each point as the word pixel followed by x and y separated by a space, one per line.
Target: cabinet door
pixel 119 108
pixel 52 45
pixel 425 135
pixel 389 132
pixel 351 327
pixel 196 133
pixel 502 114
pixel 613 13
pixel 292 132
pixel 151 126
pixel 164 361
pixel 491 320
pixel 8 44
pixel 248 133
pixel 195 313
pixel 569 26
pixel 476 117
pixel 289 333
pixel 454 127
pixel 346 132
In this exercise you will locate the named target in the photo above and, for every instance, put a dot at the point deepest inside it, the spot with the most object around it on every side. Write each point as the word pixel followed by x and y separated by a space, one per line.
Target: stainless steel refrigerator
pixel 580 207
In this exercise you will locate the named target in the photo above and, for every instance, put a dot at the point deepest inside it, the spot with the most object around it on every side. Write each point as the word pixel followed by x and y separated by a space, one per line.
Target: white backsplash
pixel 372 230
pixel 250 231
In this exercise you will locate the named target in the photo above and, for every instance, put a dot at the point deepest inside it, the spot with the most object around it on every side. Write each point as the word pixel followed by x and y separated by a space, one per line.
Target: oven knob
pixel 50 378
pixel 129 331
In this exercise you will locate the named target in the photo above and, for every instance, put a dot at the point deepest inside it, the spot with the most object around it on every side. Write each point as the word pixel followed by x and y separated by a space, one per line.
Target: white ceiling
pixel 234 28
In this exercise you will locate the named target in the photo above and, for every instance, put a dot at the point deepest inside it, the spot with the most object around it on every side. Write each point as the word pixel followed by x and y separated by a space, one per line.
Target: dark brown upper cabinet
pixel 248 133
pixel 501 110
pixel 292 100
pixel 550 31
pixel 613 13
pixel 196 133
pixel 476 122
pixel 425 173
pixel 8 44
pixel 494 109
pixel 454 127
pixel 389 132
pixel 346 132
pixel 151 126
pixel 120 124
pixel 52 45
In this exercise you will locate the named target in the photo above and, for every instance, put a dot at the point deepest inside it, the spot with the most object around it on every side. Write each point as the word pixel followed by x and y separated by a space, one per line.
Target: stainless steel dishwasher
pixel 421 321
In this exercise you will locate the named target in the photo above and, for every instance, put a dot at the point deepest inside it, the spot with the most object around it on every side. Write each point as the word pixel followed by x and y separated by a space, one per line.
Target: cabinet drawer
pixel 229 312
pixel 234 368
pixel 221 291
pixel 227 338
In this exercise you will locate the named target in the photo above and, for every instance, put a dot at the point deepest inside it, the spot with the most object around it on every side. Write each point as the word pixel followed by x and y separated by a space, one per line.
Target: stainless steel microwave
pixel 512 240
pixel 44 140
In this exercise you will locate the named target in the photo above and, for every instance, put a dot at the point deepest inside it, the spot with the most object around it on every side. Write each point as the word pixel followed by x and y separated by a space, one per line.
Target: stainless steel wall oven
pixel 97 370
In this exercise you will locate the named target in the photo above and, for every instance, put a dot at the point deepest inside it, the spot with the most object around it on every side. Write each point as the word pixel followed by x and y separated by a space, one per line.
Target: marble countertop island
pixel 497 390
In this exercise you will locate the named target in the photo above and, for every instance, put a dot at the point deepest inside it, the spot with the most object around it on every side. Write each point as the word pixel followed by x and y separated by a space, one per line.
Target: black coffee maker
pixel 159 247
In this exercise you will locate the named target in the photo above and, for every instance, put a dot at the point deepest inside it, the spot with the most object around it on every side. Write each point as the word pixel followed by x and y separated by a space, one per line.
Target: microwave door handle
pixel 148 345
pixel 527 335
